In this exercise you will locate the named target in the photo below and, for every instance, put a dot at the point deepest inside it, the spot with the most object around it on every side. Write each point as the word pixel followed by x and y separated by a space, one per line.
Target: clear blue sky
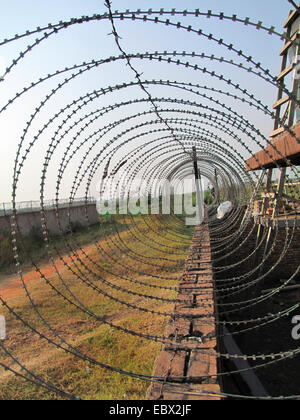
pixel 91 41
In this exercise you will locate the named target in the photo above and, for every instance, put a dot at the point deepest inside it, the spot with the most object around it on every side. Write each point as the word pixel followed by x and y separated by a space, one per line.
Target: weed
pixel 87 334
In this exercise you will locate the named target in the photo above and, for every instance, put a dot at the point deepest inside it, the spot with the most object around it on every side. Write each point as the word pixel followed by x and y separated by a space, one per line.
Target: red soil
pixel 13 285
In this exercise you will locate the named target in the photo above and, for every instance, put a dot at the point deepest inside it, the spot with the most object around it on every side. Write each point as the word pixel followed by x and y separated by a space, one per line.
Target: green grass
pixel 34 244
pixel 93 338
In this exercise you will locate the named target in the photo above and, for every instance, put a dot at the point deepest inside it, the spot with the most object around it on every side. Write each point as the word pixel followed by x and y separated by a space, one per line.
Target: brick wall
pixel 192 349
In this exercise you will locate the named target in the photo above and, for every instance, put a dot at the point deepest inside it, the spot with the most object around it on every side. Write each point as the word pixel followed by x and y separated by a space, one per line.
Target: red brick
pixel 201 364
pixel 197 281
pixel 180 328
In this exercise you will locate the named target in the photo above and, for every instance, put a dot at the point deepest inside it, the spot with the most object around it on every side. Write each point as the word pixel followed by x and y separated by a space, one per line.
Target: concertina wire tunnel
pixel 149 136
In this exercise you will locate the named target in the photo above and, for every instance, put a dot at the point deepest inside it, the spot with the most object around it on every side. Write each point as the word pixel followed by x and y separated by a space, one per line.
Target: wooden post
pixel 278 201
pixel 199 192
pixel 217 186
pixel 268 189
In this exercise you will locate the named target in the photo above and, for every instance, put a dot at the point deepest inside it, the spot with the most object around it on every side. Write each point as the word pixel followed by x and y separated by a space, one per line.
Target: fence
pixel 31 206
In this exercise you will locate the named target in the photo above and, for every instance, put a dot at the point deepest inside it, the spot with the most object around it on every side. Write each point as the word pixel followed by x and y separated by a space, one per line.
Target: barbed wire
pixel 138 264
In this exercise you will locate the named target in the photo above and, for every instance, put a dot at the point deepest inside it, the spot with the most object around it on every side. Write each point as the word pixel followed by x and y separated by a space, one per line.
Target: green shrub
pixel 6 255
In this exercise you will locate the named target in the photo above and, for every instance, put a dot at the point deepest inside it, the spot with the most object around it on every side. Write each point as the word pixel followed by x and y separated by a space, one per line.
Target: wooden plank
pixel 281 102
pixel 289 43
pixel 291 19
pixel 276 132
pixel 268 195
pixel 285 145
pixel 285 72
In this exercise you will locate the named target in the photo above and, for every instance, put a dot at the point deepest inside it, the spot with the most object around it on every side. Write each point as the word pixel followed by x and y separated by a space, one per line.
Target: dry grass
pixel 93 338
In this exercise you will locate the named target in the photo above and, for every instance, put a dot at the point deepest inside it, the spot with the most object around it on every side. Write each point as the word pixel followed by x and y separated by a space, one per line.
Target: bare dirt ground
pixel 84 332
pixel 11 285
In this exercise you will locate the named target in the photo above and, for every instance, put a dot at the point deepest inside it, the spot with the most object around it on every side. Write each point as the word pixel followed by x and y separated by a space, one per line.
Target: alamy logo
pixel 296 329
pixel 2 328
pixel 184 197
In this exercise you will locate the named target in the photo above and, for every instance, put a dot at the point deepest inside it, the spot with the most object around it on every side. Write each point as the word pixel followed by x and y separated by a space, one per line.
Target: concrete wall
pixel 29 222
